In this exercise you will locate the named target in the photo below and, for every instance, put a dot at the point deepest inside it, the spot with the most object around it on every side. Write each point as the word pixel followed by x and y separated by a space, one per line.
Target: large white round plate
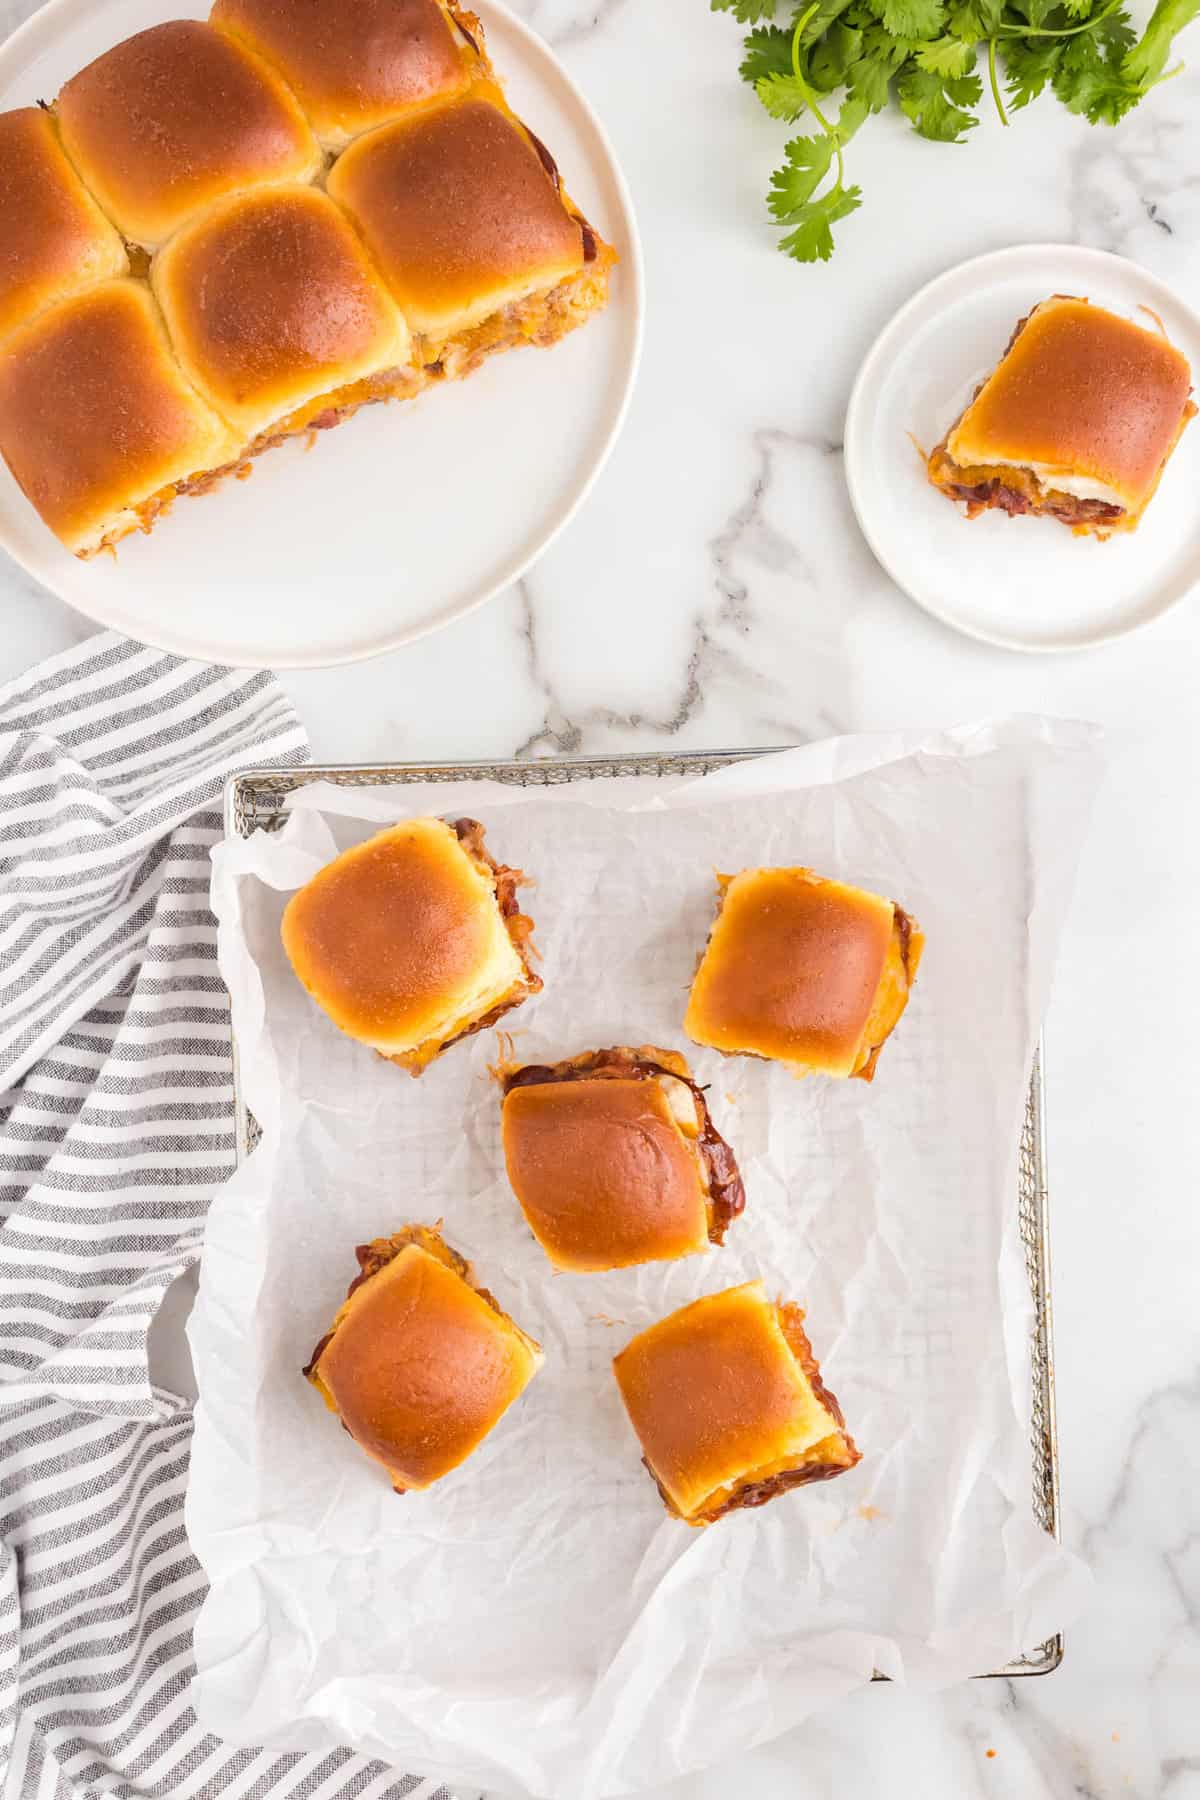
pixel 408 515
pixel 1023 583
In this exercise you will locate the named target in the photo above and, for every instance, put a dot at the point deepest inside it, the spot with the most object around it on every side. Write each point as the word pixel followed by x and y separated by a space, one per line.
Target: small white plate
pixel 1022 583
pixel 408 515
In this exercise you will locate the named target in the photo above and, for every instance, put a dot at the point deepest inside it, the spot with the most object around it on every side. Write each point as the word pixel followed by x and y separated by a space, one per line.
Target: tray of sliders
pixel 626 1231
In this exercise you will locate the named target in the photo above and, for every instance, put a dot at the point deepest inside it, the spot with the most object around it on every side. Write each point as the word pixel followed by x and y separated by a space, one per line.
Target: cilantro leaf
pixel 1102 97
pixel 783 96
pixel 883 47
pixel 831 58
pixel 807 162
pixel 871 81
pixel 871 76
pixel 1078 9
pixel 964 90
pixel 1090 78
pixel 1146 61
pixel 811 239
pixel 946 56
pixel 747 11
pixel 932 104
pixel 1116 34
pixel 971 20
pixel 855 112
pixel 1037 12
pixel 793 186
pixel 916 19
pixel 1029 64
pixel 768 51
pixel 826 13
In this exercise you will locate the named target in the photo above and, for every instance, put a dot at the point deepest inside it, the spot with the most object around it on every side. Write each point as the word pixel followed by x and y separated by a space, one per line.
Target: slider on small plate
pixel 420 1363
pixel 464 213
pixel 413 939
pixel 97 422
pixel 277 316
pixel 615 1160
pixel 176 117
pixel 54 239
pixel 803 971
pixel 355 64
pixel 727 1401
pixel 1077 421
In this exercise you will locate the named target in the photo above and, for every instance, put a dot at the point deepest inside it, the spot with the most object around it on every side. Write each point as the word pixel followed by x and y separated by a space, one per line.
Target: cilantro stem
pixel 1066 31
pixel 995 84
pixel 809 99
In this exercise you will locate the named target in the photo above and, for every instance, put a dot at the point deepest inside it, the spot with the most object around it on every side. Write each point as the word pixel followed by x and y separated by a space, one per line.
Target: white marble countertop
pixel 715 591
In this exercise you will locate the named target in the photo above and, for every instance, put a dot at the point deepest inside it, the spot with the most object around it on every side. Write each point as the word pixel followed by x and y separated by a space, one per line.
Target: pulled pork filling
pixel 726 1193
pixel 519 926
pixel 540 319
pixel 830 1457
pixel 1017 491
pixel 895 984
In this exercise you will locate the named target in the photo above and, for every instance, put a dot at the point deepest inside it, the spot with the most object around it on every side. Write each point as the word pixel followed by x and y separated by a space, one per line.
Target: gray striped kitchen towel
pixel 115 1125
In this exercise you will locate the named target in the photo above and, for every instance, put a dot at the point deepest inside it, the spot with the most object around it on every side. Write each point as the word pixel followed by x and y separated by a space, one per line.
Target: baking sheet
pixel 536 1622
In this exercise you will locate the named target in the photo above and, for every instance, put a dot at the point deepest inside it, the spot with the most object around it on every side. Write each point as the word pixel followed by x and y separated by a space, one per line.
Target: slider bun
pixel 353 64
pixel 719 1399
pixel 175 118
pixel 793 969
pixel 419 1366
pixel 603 1173
pixel 402 942
pixel 53 237
pixel 1084 392
pixel 95 415
pixel 270 301
pixel 458 211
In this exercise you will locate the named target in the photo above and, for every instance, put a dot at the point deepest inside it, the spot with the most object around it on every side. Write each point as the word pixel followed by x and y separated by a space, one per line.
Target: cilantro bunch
pixel 839 61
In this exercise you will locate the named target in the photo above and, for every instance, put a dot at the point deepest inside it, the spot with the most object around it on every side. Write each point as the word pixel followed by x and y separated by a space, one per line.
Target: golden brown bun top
pixel 715 1395
pixel 792 969
pixel 419 1366
pixel 603 1173
pixel 399 935
pixel 177 117
pixel 458 210
pixel 270 297
pixel 94 413
pixel 1083 391
pixel 53 237
pixel 353 63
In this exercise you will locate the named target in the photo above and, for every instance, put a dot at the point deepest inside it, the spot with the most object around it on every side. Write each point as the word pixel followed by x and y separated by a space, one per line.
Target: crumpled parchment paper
pixel 536 1622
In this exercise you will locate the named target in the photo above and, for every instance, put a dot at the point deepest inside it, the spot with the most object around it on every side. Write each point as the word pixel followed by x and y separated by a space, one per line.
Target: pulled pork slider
pixel 464 214
pixel 354 64
pixel 615 1160
pixel 1077 421
pixel 54 239
pixel 803 971
pixel 176 117
pixel 727 1400
pixel 97 422
pixel 420 1364
pixel 277 316
pixel 413 939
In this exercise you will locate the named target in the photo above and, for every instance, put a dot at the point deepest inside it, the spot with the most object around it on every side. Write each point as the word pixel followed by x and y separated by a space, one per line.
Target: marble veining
pixel 715 591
